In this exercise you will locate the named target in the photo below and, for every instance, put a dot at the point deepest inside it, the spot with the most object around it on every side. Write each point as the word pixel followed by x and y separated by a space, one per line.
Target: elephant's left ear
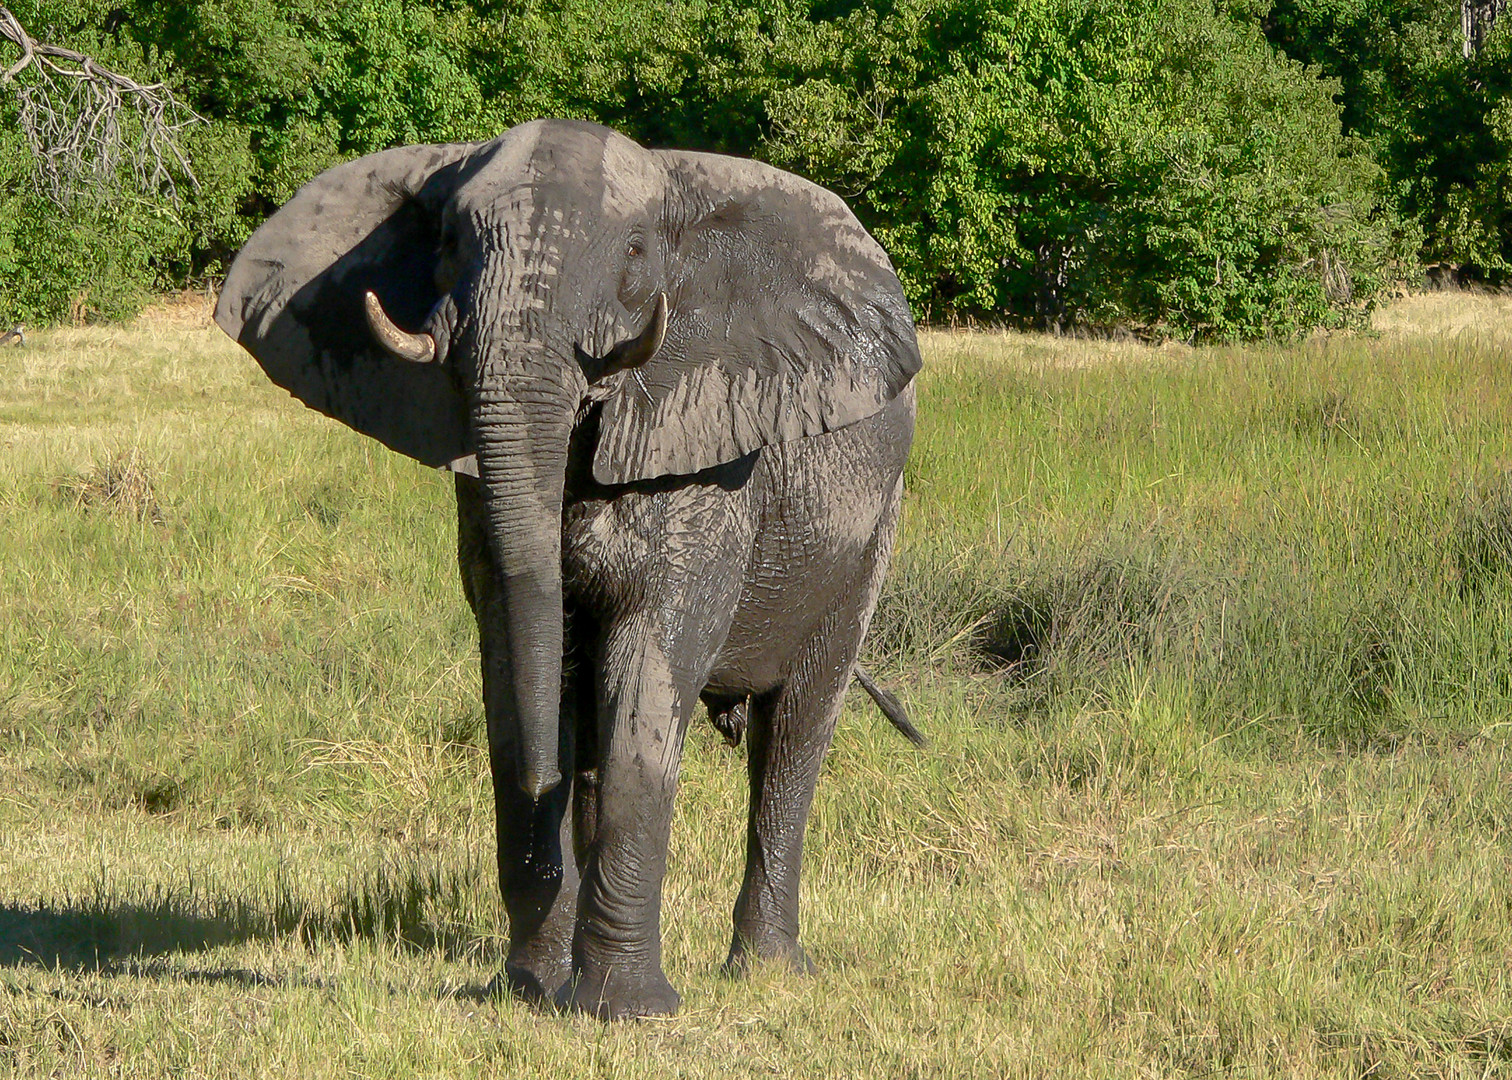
pixel 786 320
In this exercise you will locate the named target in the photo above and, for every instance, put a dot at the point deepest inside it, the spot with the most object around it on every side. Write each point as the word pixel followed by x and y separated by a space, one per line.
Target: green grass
pixel 1313 537
pixel 1212 647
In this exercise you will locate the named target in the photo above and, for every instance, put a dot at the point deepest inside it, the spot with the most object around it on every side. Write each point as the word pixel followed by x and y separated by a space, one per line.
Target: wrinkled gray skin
pixel 695 500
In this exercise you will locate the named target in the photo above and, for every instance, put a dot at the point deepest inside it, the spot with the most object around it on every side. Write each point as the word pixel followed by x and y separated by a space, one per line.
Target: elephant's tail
pixel 891 707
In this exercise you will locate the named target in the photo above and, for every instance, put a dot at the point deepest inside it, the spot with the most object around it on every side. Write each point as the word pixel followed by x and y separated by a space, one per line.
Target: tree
pixel 87 125
pixel 1432 95
pixel 1476 20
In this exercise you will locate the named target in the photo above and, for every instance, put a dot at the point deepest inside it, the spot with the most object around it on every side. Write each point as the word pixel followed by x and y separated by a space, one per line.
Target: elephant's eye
pixel 634 250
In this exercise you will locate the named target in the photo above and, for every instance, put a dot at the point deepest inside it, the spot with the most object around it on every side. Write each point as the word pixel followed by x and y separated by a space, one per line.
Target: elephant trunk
pixel 522 434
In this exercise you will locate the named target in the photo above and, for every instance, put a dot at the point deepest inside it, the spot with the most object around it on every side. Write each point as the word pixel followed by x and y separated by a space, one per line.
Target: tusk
pixel 416 348
pixel 628 355
pixel 642 347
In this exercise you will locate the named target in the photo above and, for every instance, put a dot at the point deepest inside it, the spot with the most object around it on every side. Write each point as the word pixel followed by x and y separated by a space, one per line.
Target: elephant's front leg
pixel 537 877
pixel 537 871
pixel 645 706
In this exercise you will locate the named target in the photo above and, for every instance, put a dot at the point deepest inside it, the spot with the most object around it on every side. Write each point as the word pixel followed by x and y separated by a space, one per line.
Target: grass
pixel 1212 647
pixel 1313 535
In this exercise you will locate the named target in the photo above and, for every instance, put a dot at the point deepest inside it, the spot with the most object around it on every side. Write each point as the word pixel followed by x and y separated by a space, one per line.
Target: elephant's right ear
pixel 293 297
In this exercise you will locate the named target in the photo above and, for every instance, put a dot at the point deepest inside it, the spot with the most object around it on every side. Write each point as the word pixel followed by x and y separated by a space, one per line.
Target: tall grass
pixel 1311 538
pixel 1211 647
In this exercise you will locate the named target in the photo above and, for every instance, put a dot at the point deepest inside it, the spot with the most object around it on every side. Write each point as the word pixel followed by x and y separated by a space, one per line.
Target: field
pixel 1214 649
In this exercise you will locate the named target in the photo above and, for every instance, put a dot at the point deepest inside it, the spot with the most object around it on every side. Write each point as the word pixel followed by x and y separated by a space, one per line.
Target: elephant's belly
pixel 827 520
pixel 768 632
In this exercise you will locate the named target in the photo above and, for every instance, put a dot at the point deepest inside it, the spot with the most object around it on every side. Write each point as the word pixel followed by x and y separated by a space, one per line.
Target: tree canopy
pixel 1237 169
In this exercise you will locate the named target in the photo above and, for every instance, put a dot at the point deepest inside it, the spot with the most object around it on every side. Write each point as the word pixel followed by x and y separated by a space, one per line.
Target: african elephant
pixel 676 392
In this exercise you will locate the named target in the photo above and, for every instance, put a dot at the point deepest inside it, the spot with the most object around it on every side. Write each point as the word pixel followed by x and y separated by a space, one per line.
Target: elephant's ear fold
pixel 294 297
pixel 786 320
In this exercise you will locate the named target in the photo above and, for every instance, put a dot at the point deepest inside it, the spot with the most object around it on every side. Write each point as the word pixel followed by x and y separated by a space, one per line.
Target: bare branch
pixel 85 123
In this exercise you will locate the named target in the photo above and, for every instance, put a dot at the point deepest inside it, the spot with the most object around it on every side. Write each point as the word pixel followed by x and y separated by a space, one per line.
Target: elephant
pixel 675 390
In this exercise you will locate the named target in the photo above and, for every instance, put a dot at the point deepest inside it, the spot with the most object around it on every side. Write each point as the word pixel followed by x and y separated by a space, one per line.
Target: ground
pixel 1212 647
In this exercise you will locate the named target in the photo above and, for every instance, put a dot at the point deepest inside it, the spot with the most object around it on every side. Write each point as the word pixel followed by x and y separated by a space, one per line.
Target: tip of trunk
pixel 537 782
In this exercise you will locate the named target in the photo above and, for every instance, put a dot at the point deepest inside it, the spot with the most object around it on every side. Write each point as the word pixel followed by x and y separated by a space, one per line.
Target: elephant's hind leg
pixel 787 738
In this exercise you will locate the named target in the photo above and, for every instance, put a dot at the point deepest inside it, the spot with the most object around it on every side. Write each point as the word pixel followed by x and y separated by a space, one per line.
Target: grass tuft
pixel 1481 540
pixel 1047 625
pixel 124 484
pixel 1327 416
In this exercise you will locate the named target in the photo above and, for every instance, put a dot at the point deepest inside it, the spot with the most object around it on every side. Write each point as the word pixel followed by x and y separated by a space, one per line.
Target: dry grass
pixel 1449 314
pixel 124 484
pixel 187 310
pixel 967 350
pixel 246 815
pixel 1442 315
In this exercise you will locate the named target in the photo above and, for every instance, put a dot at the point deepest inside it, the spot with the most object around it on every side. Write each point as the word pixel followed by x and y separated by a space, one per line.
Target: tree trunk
pixel 1476 19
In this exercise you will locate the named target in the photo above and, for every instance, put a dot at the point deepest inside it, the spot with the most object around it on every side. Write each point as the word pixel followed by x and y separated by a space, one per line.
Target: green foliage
pixel 1154 164
pixel 1107 164
pixel 55 265
pixel 1440 125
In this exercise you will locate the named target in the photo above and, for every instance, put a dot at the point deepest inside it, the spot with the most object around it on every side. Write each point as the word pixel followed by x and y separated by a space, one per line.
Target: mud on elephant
pixel 675 390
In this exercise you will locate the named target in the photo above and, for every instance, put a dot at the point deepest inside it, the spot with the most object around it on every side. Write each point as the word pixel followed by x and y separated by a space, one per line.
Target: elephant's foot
pixel 529 984
pixel 617 995
pixel 748 951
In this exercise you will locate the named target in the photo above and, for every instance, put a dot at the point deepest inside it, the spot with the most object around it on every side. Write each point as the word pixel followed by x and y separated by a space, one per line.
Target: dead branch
pixel 85 124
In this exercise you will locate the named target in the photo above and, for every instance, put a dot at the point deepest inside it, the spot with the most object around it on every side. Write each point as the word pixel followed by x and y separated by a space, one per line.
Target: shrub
pixel 1147 163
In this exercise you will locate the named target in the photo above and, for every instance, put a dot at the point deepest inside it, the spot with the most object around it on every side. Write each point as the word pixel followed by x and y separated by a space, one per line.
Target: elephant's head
pixel 466 304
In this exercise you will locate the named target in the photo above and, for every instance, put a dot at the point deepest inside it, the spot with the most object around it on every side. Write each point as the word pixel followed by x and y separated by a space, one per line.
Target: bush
pixel 1152 163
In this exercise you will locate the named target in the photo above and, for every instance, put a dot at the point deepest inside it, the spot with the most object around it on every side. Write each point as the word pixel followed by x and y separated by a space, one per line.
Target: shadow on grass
pixel 94 936
pixel 245 978
pixel 133 940
pixel 415 907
